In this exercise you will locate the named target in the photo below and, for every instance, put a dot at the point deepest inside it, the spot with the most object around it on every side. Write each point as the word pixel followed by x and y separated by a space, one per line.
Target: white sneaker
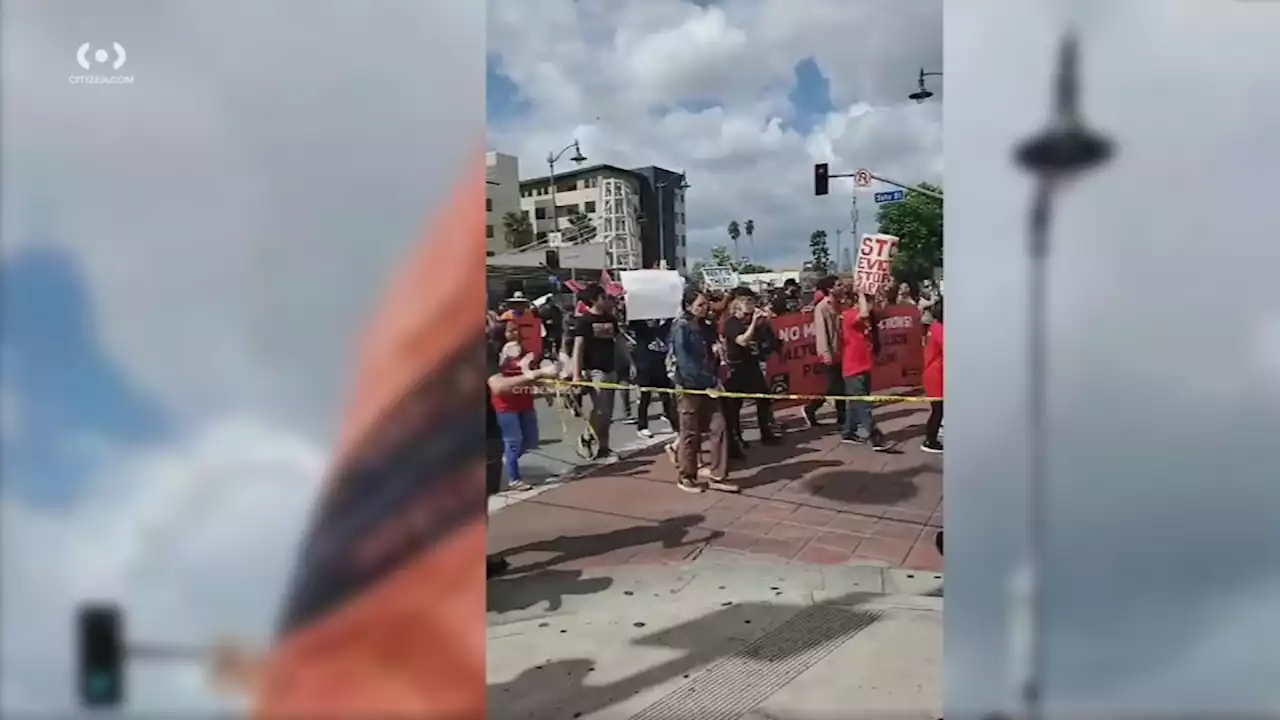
pixel 645 433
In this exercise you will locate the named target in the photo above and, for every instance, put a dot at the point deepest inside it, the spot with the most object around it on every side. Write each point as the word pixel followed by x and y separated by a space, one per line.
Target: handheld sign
pixel 875 262
pixel 652 294
pixel 719 278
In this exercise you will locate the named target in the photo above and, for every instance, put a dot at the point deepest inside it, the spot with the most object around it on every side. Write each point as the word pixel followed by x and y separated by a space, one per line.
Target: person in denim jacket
pixel 697 367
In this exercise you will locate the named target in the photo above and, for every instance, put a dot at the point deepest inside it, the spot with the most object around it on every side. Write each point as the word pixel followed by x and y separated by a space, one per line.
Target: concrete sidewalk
pixel 724 637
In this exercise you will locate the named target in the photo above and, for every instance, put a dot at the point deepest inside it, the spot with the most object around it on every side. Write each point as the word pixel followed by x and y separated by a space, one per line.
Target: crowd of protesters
pixel 717 345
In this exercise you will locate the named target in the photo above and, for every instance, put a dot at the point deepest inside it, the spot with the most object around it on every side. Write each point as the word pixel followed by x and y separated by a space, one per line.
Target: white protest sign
pixel 719 278
pixel 875 262
pixel 652 294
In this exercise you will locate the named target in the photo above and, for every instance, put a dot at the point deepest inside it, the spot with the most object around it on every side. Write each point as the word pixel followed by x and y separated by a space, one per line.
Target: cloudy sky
pixel 743 95
pixel 187 261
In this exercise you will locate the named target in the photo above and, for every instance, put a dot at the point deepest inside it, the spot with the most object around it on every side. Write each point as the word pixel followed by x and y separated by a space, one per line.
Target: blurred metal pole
pixel 1066 149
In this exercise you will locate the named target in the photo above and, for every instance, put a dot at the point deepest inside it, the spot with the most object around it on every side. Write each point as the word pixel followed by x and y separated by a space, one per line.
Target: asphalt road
pixel 559 431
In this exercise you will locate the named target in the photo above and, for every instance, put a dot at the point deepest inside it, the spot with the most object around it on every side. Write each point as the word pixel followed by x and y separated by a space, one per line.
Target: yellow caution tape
pixel 744 396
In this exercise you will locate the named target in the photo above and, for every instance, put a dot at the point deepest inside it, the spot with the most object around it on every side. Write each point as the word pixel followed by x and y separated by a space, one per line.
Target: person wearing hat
pixel 523 316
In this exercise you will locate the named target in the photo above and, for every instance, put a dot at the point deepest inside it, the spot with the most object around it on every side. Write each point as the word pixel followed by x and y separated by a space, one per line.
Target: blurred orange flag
pixel 385 616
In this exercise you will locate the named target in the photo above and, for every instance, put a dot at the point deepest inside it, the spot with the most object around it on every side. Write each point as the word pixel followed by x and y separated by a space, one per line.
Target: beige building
pixel 502 196
pixel 638 215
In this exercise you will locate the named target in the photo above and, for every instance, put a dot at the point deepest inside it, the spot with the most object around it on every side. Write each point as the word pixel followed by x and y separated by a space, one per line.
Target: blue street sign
pixel 891 196
pixel 554 280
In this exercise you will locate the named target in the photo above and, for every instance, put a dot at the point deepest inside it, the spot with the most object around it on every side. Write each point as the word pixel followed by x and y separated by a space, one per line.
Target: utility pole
pixel 853 216
pixel 839 232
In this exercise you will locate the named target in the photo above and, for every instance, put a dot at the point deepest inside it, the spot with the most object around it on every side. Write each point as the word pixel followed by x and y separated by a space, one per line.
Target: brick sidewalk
pixel 810 500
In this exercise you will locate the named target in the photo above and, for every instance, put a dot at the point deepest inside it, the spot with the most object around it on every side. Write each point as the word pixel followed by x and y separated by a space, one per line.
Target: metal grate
pixel 735 685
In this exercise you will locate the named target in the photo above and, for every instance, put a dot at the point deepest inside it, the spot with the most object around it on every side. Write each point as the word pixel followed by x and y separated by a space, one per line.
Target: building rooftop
pixel 576 172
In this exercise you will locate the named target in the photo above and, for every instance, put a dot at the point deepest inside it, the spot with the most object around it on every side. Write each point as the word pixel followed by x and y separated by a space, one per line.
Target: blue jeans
pixel 519 435
pixel 858 412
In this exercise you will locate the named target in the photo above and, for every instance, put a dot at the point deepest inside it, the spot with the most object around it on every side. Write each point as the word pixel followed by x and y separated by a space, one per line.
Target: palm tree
pixel 734 233
pixel 518 229
pixel 750 230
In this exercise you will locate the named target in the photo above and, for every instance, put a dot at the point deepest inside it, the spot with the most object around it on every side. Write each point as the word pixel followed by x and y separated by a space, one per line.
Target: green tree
pixel 721 257
pixel 517 228
pixel 750 229
pixel 821 253
pixel 917 223
pixel 735 232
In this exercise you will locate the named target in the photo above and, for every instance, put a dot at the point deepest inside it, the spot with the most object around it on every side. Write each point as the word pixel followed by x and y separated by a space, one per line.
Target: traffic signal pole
pixel 822 175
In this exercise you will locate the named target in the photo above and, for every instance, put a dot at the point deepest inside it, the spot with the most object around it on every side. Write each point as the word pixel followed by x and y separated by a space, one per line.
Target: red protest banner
pixel 796 369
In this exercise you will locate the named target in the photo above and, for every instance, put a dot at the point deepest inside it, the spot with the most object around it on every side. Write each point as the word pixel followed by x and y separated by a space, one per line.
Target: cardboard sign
pixel 652 294
pixel 719 278
pixel 875 263
pixel 797 368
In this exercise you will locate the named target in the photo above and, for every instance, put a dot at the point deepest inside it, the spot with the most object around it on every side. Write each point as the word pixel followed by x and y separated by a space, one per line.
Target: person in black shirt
pixel 595 358
pixel 553 322
pixel 649 356
pixel 745 342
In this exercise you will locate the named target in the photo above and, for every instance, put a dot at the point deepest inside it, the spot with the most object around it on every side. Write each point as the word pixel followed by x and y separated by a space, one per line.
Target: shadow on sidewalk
pixel 506 594
pixel 561 689
pixel 866 488
pixel 670 533
pixel 780 472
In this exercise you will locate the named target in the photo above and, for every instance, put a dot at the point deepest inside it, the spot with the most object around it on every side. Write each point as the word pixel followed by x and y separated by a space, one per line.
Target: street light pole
pixel 552 159
pixel 1065 150
pixel 662 243
pixel 922 93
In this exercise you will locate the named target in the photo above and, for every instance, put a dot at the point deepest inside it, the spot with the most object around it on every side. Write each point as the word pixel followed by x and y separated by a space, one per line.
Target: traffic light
pixel 101 639
pixel 820 179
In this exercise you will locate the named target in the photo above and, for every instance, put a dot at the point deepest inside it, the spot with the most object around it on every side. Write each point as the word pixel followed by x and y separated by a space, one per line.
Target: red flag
pixel 612 288
pixel 573 285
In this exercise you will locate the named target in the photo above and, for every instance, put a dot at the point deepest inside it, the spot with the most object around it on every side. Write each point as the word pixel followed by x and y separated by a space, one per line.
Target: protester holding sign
pixel 745 346
pixel 932 378
pixel 856 362
pixel 826 330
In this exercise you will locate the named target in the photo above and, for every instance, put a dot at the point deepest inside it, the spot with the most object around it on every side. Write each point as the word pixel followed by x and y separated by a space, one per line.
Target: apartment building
pixel 627 211
pixel 502 196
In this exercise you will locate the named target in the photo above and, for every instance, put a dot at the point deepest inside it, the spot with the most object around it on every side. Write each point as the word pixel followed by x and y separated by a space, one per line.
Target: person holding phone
pixel 693 343
pixel 745 340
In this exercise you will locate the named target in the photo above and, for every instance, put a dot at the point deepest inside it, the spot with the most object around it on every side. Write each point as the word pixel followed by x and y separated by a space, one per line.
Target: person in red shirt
pixel 932 380
pixel 516 416
pixel 857 357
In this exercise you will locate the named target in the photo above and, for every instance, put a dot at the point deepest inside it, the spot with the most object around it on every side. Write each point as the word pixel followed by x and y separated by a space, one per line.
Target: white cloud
pixel 615 74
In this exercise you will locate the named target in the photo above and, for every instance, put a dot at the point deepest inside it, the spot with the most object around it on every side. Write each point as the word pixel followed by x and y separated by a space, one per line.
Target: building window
pixel 488 204
pixel 540 213
pixel 488 231
pixel 566 187
pixel 590 206
pixel 622 225
pixel 593 182
pixel 541 236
